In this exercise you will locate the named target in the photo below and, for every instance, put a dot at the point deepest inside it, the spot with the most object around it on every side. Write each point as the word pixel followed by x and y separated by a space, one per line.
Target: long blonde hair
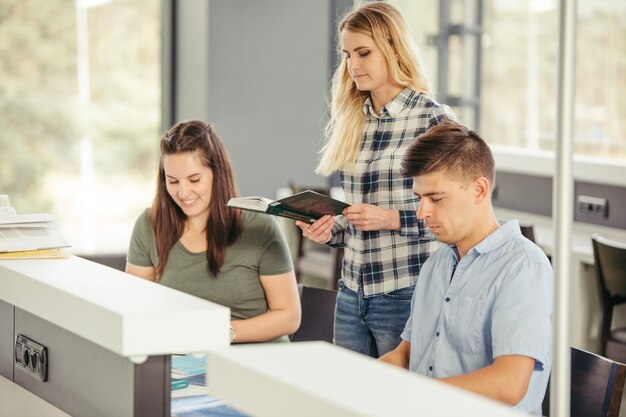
pixel 344 130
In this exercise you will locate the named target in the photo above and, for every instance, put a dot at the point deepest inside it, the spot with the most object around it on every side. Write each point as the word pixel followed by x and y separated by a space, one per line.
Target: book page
pixel 251 203
pixel 17 219
pixel 4 200
pixel 5 206
pixel 7 211
pixel 14 239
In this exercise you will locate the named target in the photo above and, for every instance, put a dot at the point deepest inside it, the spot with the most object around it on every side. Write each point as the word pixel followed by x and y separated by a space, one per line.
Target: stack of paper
pixel 28 235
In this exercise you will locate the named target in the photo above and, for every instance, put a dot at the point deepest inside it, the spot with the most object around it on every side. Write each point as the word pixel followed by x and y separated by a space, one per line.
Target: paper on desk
pixel 14 239
pixel 7 211
pixel 34 254
pixel 18 219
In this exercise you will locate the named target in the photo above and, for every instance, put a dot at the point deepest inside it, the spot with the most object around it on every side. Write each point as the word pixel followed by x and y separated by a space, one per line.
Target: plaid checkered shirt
pixel 382 261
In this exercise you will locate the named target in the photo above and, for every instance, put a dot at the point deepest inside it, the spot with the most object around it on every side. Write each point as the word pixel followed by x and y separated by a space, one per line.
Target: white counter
pixel 312 379
pixel 581 233
pixel 125 314
pixel 16 401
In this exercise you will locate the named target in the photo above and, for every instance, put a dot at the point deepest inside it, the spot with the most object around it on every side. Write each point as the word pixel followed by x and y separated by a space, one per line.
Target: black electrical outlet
pixel 31 357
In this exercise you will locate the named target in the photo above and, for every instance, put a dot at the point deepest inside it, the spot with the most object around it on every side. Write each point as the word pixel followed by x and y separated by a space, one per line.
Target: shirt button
pixel 447 299
pixel 437 334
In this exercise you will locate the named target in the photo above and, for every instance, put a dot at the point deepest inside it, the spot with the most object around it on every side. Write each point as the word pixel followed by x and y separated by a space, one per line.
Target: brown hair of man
pixel 168 220
pixel 451 148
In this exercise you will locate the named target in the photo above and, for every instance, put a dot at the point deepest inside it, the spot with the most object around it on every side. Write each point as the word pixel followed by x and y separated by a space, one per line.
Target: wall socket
pixel 592 207
pixel 31 357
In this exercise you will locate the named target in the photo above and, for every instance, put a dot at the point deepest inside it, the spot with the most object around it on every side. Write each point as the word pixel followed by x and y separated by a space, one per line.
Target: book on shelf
pixel 28 234
pixel 190 371
pixel 188 365
pixel 307 206
pixel 189 395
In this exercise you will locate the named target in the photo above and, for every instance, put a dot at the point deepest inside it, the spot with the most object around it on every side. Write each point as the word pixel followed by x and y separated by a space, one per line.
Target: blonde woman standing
pixel 380 104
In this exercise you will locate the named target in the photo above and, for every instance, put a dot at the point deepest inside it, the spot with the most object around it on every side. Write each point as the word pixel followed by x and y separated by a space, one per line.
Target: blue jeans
pixel 373 325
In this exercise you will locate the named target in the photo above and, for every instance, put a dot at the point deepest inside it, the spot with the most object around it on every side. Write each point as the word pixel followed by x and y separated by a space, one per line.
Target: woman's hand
pixel 370 217
pixel 321 231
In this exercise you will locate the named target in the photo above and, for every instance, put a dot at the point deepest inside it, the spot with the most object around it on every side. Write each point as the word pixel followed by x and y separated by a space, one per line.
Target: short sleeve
pixel 275 256
pixel 141 240
pixel 522 314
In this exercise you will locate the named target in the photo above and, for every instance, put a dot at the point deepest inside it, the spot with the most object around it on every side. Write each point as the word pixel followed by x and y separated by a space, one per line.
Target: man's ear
pixel 482 188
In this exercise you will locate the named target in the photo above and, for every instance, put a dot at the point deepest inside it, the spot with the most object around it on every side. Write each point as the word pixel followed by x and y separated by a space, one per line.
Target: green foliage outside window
pixel 43 122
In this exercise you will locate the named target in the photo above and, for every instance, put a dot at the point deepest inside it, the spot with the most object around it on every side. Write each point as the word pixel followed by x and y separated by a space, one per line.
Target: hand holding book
pixel 321 231
pixel 307 206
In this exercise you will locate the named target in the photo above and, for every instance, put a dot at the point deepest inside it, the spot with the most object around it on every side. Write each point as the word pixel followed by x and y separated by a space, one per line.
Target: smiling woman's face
pixel 189 183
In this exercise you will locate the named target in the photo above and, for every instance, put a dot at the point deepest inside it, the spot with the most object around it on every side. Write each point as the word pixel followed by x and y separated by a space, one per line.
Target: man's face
pixel 447 205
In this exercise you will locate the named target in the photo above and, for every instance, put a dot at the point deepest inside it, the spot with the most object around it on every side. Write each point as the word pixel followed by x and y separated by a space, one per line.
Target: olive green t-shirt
pixel 260 250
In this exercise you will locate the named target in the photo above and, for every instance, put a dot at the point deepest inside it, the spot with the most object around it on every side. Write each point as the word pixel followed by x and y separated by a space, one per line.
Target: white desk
pixel 93 319
pixel 130 316
pixel 16 401
pixel 312 379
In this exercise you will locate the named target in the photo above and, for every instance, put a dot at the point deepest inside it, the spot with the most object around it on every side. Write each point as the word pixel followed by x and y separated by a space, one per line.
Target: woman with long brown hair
pixel 191 241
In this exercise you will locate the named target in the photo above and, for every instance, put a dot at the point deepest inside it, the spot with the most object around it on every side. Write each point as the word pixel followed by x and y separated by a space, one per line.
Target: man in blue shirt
pixel 481 311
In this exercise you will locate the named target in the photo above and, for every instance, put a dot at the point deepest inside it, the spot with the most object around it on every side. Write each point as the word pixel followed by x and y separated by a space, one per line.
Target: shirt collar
pixel 394 107
pixel 499 236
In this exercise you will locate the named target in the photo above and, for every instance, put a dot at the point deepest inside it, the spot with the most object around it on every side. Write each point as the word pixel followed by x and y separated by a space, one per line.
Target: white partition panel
pixel 125 314
pixel 319 379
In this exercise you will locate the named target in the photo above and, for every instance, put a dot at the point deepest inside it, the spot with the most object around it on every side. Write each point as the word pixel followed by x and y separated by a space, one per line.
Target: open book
pixel 307 206
pixel 28 232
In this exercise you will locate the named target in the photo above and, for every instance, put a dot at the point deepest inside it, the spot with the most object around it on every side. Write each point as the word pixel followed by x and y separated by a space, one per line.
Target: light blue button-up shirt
pixel 497 300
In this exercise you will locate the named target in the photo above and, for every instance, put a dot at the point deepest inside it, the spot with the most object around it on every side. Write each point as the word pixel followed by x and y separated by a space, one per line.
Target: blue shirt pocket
pixel 464 324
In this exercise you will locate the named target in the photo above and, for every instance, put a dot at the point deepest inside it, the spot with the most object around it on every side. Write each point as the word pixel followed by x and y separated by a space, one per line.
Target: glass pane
pixel 422 19
pixel 519 73
pixel 601 79
pixel 80 108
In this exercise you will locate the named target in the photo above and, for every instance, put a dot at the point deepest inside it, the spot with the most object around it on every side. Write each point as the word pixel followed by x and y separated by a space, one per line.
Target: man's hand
pixel 399 356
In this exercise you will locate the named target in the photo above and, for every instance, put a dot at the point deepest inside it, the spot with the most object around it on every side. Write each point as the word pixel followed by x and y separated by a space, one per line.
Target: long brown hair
pixel 168 220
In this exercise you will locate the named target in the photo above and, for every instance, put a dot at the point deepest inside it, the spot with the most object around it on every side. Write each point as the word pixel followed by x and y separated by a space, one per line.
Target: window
pixel 519 71
pixel 80 113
